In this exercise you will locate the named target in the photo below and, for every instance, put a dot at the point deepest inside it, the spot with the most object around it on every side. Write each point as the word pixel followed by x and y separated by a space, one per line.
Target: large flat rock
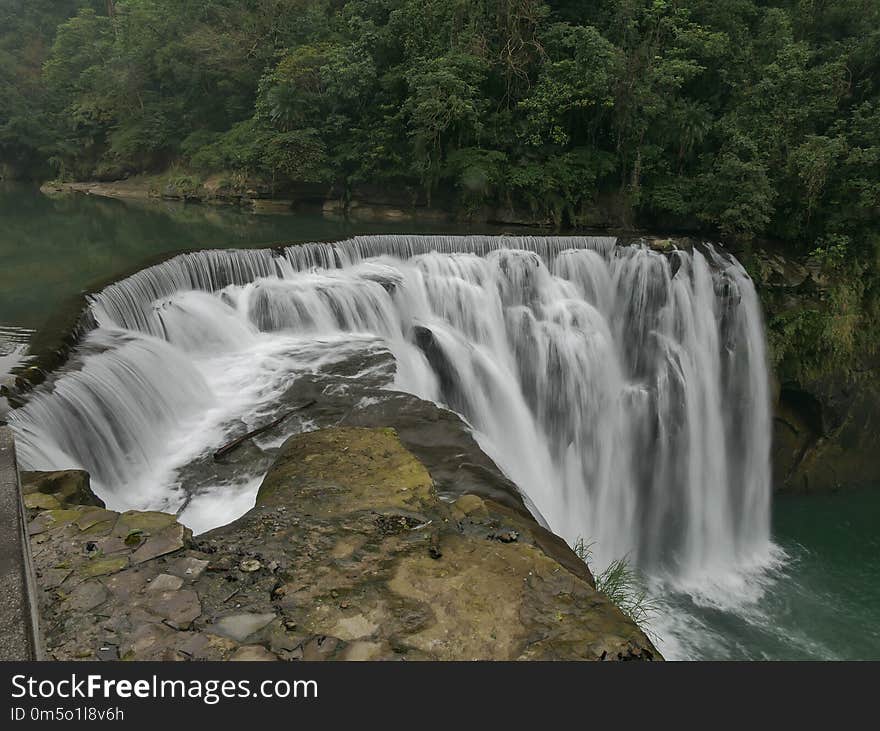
pixel 349 554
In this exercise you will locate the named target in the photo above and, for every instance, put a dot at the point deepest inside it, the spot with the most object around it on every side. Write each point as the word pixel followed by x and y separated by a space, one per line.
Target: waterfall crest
pixel 623 390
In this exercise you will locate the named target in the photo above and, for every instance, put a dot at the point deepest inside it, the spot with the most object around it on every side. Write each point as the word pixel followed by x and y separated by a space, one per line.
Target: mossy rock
pixel 662 245
pixel 69 487
pixel 62 516
pixel 98 518
pixel 142 521
pixel 382 562
pixel 358 558
pixel 103 566
pixel 347 469
pixel 41 501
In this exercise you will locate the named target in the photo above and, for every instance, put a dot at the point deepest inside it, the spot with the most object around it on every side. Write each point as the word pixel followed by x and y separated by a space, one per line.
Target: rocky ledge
pixel 348 554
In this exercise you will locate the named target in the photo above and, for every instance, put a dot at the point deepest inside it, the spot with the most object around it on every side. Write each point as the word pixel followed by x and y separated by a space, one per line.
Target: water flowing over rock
pixel 623 389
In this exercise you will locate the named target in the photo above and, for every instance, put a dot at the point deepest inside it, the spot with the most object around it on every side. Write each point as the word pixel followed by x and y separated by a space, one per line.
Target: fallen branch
pixel 235 443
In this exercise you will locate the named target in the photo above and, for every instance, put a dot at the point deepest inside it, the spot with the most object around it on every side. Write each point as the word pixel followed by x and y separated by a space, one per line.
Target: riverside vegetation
pixel 749 120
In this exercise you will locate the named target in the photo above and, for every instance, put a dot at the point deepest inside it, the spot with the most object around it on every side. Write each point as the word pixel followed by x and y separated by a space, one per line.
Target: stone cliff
pixel 826 432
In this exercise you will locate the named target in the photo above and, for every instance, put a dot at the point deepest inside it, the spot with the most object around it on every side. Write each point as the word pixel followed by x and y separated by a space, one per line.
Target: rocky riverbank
pixel 218 190
pixel 363 202
pixel 348 554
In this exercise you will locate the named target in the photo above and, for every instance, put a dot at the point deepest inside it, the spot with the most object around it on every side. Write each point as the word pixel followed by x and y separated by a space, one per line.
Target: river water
pixel 818 600
pixel 811 593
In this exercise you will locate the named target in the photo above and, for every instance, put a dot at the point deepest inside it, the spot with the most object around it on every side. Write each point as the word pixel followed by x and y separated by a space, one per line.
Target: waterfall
pixel 622 389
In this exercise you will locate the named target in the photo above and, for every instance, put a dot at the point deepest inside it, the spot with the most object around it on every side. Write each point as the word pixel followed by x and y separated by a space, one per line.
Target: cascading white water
pixel 623 390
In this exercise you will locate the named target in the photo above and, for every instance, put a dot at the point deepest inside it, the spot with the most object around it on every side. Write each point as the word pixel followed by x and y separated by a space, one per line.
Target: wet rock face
pixel 356 392
pixel 826 438
pixel 349 554
pixel 436 436
pixel 372 561
pixel 64 486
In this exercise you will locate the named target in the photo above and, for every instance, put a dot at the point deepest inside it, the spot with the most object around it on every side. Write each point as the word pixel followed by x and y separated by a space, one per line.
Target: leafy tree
pixel 745 118
pixel 444 108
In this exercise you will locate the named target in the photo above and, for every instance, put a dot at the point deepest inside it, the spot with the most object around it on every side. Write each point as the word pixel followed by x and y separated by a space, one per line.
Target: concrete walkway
pixel 19 624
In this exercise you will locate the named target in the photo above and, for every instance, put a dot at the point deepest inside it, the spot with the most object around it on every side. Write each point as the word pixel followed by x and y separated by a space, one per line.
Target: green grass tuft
pixel 624 586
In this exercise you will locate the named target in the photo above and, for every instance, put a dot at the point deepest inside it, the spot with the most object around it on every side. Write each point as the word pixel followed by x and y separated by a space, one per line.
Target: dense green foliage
pixel 751 117
pixel 746 118
pixel 826 330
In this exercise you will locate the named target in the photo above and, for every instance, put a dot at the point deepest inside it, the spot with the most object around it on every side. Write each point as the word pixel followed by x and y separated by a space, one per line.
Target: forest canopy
pixel 752 118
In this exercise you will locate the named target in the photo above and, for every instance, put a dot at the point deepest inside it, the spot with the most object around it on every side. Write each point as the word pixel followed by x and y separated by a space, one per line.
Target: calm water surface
pixel 54 248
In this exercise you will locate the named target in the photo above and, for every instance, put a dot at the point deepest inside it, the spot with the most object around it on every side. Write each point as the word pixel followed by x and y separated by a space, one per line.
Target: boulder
pixel 241 626
pixel 378 566
pixel 66 486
